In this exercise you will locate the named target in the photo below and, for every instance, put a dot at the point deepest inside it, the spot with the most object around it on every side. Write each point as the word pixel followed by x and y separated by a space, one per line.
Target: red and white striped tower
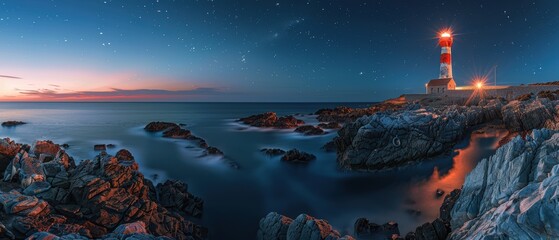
pixel 445 41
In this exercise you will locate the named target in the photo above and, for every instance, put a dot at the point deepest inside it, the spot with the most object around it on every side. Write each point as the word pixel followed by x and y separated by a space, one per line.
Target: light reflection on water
pixel 235 200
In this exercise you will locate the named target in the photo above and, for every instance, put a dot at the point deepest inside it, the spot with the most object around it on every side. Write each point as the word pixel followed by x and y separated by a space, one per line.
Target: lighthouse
pixel 445 41
pixel 445 81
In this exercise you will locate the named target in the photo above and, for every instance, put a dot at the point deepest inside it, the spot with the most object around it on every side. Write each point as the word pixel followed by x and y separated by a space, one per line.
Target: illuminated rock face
pixel 278 227
pixel 389 139
pixel 513 193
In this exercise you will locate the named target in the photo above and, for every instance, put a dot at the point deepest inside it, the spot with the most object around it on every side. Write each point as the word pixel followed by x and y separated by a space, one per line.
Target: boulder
pixel 277 227
pixel 174 195
pixel 100 147
pixel 530 114
pixel 47 147
pixel 14 203
pixel 160 126
pixel 213 151
pixel 272 152
pixel 309 130
pixel 271 120
pixel 131 228
pixel 296 156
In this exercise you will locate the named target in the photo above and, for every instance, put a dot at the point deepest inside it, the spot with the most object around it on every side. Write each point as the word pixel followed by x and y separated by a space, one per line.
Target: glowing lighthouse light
pixel 445 41
pixel 479 85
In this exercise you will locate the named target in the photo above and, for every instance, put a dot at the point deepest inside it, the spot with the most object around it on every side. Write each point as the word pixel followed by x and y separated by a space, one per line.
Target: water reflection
pixel 423 195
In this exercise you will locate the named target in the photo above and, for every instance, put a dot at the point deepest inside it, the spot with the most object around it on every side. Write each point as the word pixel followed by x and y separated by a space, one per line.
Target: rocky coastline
pixel 45 195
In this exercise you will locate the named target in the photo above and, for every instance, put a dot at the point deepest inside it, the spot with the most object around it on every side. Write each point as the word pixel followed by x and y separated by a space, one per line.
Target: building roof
pixel 439 82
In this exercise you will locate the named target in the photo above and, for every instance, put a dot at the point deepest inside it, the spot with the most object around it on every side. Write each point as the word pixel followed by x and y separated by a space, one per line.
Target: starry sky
pixel 265 51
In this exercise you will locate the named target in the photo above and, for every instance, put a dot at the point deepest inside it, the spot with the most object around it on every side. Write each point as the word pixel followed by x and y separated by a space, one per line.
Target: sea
pixel 236 199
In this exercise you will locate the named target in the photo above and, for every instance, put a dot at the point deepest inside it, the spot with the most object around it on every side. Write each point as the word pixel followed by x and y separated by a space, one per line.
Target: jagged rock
pixel 26 168
pixel 271 120
pixel 272 151
pixel 22 205
pixel 330 146
pixel 296 156
pixel 36 188
pixel 527 115
pixel 124 155
pixel 366 230
pixel 47 147
pixel 277 227
pixel 448 204
pixel 160 126
pixel 329 125
pixel 175 195
pixel 12 123
pixel 390 139
pixel 439 192
pixel 513 193
pixel 309 130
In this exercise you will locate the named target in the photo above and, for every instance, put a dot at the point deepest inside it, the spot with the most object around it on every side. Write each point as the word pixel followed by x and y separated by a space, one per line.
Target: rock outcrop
pixel 364 229
pixel 346 115
pixel 12 123
pixel 309 130
pixel 527 115
pixel 513 193
pixel 94 198
pixel 271 120
pixel 173 130
pixel 272 152
pixel 389 139
pixel 278 227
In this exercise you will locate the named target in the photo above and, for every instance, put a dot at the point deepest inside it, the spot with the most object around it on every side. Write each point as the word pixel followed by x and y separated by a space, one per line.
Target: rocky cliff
pixel 513 194
pixel 393 138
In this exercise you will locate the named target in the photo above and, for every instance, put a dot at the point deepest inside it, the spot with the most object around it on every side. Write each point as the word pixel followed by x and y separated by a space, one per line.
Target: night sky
pixel 227 50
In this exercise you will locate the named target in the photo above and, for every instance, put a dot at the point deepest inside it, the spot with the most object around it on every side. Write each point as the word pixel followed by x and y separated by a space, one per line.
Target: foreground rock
pixel 513 193
pixel 390 139
pixel 271 120
pixel 296 156
pixel 366 230
pixel 440 227
pixel 278 227
pixel 94 199
pixel 12 123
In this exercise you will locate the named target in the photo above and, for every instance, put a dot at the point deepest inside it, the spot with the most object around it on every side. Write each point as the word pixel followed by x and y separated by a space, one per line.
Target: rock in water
pixel 12 123
pixel 277 227
pixel 512 193
pixel 272 151
pixel 296 156
pixel 271 120
pixel 330 125
pixel 160 126
pixel 309 130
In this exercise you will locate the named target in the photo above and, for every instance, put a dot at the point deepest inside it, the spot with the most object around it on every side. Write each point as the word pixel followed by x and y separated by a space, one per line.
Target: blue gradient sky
pixel 226 50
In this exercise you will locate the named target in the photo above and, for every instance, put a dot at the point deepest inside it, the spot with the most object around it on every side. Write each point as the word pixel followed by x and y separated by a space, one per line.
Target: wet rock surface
pixel 271 120
pixel 329 125
pixel 278 227
pixel 105 197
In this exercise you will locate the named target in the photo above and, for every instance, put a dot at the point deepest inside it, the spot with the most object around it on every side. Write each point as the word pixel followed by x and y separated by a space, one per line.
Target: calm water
pixel 235 199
